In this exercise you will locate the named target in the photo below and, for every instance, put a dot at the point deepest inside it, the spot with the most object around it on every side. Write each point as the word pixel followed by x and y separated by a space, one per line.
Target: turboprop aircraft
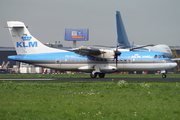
pixel 86 59
pixel 123 41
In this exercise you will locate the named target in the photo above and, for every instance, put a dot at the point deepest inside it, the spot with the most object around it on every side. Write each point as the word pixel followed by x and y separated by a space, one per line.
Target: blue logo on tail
pixel 26 42
pixel 26 38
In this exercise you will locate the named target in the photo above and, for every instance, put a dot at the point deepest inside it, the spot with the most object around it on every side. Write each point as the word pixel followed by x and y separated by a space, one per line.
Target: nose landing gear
pixel 163 72
pixel 163 75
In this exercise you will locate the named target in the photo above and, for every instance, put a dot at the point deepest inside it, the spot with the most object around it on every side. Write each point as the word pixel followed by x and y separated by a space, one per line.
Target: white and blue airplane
pixel 123 41
pixel 86 59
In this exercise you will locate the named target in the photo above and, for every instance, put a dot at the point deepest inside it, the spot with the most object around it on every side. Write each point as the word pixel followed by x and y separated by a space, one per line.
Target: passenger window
pixel 155 56
pixel 159 56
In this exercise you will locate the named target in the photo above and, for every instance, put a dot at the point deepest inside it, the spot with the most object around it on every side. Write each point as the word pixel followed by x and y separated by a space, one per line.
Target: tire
pixel 163 75
pixel 93 75
pixel 101 75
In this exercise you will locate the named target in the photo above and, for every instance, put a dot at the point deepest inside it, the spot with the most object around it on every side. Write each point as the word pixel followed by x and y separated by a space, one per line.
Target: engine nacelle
pixel 106 54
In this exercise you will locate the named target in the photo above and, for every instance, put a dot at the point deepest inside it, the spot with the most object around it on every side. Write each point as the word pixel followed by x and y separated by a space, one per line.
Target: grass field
pixel 86 76
pixel 30 100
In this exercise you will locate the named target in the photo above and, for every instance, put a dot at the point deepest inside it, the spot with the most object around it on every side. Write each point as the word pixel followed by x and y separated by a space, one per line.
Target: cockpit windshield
pixel 164 56
pixel 160 56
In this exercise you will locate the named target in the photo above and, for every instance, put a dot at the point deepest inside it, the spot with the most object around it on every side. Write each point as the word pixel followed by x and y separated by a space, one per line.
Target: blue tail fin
pixel 121 33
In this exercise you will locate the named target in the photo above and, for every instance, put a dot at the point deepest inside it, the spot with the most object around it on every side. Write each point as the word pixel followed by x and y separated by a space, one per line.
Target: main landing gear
pixel 101 75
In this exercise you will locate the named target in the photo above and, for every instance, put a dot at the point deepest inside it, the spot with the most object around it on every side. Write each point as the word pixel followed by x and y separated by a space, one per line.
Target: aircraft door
pixel 58 62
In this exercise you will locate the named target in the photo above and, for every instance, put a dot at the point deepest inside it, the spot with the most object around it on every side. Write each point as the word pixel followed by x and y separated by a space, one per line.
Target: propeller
pixel 117 53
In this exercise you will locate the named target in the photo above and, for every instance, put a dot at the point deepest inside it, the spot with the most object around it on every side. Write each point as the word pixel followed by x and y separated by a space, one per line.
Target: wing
pixel 140 47
pixel 95 52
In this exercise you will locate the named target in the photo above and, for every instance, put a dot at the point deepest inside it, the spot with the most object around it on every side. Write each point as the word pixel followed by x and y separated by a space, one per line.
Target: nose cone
pixel 173 64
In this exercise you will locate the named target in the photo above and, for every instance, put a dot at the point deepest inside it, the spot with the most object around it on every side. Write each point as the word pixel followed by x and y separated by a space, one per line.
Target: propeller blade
pixel 116 60
pixel 117 53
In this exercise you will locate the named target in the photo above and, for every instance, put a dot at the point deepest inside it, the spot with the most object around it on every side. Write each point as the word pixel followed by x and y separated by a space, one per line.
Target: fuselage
pixel 70 61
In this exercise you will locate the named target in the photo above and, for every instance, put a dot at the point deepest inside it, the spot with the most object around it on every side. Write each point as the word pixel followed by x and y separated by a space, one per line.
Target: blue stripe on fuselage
pixel 72 55
pixel 46 56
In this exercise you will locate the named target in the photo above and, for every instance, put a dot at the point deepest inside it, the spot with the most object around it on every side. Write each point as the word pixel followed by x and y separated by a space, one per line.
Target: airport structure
pixel 176 54
pixel 176 48
pixel 7 51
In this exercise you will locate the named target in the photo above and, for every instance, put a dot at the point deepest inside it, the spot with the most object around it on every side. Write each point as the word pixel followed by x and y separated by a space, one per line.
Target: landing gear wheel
pixel 101 75
pixel 163 75
pixel 93 75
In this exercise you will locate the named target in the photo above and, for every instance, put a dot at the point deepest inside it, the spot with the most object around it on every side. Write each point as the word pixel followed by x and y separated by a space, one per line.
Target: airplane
pixel 123 41
pixel 86 59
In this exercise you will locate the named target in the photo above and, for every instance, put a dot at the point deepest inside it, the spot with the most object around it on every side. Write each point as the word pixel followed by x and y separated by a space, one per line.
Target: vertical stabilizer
pixel 121 33
pixel 24 42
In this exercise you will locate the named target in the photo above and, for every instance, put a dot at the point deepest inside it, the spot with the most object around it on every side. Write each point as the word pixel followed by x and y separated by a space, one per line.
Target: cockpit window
pixel 159 56
pixel 164 56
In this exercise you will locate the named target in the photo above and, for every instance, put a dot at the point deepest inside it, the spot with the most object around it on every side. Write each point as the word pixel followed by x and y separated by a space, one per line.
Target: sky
pixel 145 21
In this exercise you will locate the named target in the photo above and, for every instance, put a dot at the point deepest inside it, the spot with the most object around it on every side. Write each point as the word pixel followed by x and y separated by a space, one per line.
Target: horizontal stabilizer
pixel 18 26
pixel 15 24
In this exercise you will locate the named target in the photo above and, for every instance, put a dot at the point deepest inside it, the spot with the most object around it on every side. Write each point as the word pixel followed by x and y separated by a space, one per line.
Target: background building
pixel 176 54
pixel 4 53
